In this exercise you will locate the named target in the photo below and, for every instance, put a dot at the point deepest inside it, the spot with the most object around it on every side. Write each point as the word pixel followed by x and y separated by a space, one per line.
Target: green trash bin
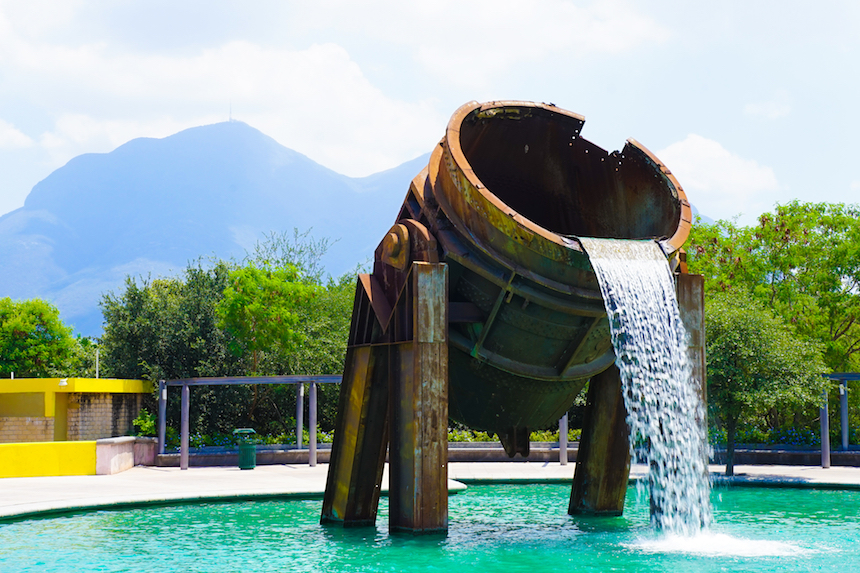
pixel 247 448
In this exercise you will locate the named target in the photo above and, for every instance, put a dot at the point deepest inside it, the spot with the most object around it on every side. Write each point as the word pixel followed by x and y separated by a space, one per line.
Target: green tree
pixel 802 261
pixel 167 328
pixel 755 362
pixel 84 356
pixel 298 249
pixel 33 340
pixel 323 320
pixel 259 308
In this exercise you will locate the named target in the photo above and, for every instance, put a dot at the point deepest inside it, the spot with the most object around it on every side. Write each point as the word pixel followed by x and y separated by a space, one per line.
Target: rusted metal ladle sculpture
pixel 483 306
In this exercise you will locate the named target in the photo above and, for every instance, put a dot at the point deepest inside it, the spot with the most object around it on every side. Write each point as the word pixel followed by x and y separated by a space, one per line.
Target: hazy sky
pixel 748 102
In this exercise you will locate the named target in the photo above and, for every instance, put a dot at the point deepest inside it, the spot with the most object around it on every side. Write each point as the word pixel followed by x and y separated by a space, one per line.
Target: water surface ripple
pixel 493 528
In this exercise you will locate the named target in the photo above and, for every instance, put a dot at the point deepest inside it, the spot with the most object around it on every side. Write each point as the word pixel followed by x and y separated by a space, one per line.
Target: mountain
pixel 703 218
pixel 152 205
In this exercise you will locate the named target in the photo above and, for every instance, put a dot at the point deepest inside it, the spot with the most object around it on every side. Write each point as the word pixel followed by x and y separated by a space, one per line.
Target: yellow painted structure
pixel 49 409
pixel 54 386
pixel 36 422
pixel 48 459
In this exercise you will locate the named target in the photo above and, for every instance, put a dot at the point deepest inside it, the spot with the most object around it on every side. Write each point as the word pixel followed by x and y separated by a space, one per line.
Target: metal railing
pixel 185 406
pixel 843 378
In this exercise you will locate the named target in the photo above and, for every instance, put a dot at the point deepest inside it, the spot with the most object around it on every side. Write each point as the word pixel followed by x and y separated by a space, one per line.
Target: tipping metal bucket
pixel 483 306
pixel 506 193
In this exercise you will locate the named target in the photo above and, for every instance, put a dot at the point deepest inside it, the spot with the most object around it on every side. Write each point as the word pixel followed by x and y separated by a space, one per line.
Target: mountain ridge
pixel 151 206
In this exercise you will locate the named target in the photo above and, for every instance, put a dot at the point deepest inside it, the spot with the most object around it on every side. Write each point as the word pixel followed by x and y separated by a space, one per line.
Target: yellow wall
pixel 48 459
pixel 24 404
pixel 61 418
pixel 94 385
pixel 28 406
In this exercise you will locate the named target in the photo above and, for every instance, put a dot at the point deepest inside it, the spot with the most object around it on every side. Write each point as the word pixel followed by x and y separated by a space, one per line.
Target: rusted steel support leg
pixel 603 460
pixel 690 291
pixel 418 452
pixel 361 436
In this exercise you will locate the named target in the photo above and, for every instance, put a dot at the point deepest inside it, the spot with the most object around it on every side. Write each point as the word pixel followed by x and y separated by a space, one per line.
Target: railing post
pixel 562 440
pixel 183 431
pixel 162 415
pixel 312 414
pixel 300 413
pixel 825 433
pixel 843 399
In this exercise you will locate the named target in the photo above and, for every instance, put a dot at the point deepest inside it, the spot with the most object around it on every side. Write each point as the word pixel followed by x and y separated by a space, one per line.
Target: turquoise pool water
pixel 492 528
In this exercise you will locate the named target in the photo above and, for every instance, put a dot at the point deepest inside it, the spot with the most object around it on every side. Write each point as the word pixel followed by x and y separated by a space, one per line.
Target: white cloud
pixel 315 100
pixel 855 185
pixel 718 182
pixel 468 44
pixel 12 138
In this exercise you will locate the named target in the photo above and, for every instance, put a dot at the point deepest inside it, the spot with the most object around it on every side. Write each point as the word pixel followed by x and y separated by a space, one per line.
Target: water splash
pixel 664 410
pixel 718 545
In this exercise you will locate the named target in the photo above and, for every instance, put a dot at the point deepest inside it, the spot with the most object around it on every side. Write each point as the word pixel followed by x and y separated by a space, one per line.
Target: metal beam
pixel 312 414
pixel 843 376
pixel 183 427
pixel 300 414
pixel 562 440
pixel 360 439
pixel 690 290
pixel 843 418
pixel 825 432
pixel 418 472
pixel 162 415
pixel 231 380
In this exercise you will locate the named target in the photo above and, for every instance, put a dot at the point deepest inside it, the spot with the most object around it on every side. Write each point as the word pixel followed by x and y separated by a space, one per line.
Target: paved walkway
pixel 21 497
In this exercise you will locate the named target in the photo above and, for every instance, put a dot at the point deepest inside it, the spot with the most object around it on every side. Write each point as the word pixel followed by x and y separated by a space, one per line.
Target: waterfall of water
pixel 664 409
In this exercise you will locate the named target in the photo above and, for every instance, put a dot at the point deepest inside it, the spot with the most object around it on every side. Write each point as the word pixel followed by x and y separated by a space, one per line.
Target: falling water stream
pixel 664 409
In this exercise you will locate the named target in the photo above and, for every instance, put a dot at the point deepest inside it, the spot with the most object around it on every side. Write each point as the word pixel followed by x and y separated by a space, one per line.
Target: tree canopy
pixel 34 342
pixel 802 261
pixel 167 328
pixel 755 363
pixel 259 309
pixel 272 314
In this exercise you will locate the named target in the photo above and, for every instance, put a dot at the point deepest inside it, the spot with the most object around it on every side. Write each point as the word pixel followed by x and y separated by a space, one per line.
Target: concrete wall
pixel 26 429
pixel 68 409
pixel 96 416
pixel 114 455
